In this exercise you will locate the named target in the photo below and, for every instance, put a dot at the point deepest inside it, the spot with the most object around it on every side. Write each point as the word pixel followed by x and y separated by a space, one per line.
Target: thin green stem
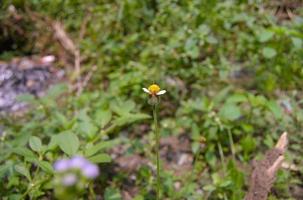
pixel 231 143
pixel 222 157
pixel 92 192
pixel 157 149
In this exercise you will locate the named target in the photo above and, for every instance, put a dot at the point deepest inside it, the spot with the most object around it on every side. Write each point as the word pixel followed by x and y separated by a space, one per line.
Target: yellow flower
pixel 154 90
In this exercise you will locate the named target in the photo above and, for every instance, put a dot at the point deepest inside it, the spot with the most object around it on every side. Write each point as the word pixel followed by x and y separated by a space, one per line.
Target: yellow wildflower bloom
pixel 154 90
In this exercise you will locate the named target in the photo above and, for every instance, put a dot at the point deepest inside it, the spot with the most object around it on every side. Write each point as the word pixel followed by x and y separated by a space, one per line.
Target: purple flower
pixel 90 171
pixel 78 162
pixel 62 165
pixel 87 169
pixel 69 179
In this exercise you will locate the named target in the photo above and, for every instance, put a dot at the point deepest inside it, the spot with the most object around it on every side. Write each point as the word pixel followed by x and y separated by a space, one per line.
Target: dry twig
pixel 264 171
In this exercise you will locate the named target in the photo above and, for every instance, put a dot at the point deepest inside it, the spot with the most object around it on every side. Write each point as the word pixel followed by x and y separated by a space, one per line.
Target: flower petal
pixel 161 92
pixel 146 90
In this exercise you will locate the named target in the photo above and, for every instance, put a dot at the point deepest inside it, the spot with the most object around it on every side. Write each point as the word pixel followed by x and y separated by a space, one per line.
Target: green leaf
pixel 209 188
pixel 100 158
pixel 15 197
pixel 24 152
pixel 112 194
pixel 21 169
pixel 269 52
pixel 103 117
pixel 54 142
pixel 56 90
pixel 35 143
pixel 101 146
pixel 87 128
pixel 68 143
pixel 4 169
pixel 122 107
pixel 265 35
pixel 61 118
pixel 221 95
pixel 275 109
pixel 297 42
pixel 230 111
pixel 248 144
pixel 45 166
pixel 130 118
pixel 191 48
pixel 28 98
pixel 236 98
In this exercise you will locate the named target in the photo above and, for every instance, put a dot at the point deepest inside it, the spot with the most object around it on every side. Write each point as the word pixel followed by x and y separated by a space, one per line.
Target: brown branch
pixel 63 38
pixel 263 175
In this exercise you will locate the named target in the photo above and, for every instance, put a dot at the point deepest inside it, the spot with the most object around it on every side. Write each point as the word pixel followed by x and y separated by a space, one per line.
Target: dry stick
pixel 63 38
pixel 81 85
pixel 68 44
pixel 86 79
pixel 78 71
pixel 70 47
pixel 264 171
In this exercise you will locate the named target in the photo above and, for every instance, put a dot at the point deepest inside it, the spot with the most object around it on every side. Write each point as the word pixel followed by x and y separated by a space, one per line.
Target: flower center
pixel 154 88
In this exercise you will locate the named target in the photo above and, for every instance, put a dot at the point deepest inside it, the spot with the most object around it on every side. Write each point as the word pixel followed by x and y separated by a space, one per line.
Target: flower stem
pixel 157 149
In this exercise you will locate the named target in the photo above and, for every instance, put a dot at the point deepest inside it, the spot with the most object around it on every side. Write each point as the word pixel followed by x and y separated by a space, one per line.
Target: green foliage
pixel 228 66
pixel 58 133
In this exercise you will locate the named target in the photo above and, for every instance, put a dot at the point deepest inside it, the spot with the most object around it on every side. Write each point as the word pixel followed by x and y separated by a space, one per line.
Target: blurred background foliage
pixel 232 69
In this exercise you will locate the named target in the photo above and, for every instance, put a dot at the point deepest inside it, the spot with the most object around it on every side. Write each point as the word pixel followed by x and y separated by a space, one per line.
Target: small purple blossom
pixel 78 162
pixel 62 165
pixel 69 179
pixel 90 171
pixel 87 169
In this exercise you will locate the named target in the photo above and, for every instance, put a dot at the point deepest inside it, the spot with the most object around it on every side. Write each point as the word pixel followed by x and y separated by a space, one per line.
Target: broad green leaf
pixel 225 183
pixel 68 143
pixel 56 90
pixel 15 197
pixel 230 111
pixel 265 35
pixel 21 169
pixel 45 166
pixel 275 109
pixel 100 158
pixel 211 40
pixel 103 117
pixel 268 141
pixel 85 125
pixel 269 52
pixel 112 194
pixel 87 128
pixel 191 48
pixel 54 142
pixel 24 152
pixel 221 95
pixel 122 107
pixel 130 118
pixel 248 144
pixel 297 42
pixel 209 188
pixel 100 146
pixel 35 143
pixel 61 118
pixel 236 98
pixel 195 146
pixel 4 168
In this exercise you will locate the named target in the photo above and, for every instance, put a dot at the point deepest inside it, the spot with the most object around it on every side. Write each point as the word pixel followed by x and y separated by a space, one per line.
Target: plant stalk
pixel 157 149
